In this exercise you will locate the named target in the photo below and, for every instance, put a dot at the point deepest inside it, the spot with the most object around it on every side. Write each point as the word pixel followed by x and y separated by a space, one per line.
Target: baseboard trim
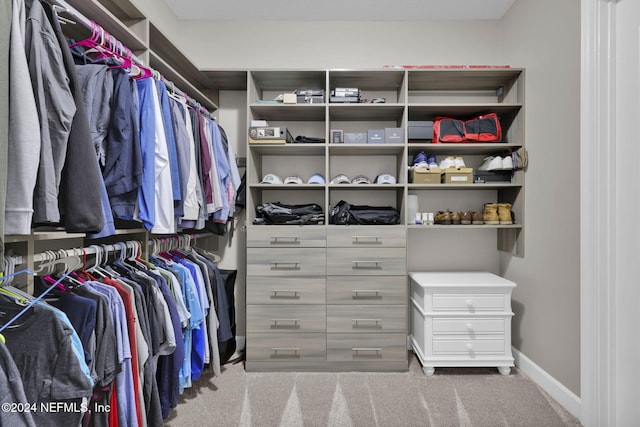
pixel 553 387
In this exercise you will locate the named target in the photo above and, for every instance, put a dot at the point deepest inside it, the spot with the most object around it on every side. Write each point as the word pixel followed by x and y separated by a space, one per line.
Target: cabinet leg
pixel 428 370
pixel 504 370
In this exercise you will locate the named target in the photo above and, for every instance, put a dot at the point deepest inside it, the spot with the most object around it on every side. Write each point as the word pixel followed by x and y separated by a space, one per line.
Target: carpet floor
pixel 451 397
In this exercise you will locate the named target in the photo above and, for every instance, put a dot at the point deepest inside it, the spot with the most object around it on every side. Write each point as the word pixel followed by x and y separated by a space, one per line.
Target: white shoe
pixel 458 162
pixel 507 163
pixel 447 162
pixel 491 163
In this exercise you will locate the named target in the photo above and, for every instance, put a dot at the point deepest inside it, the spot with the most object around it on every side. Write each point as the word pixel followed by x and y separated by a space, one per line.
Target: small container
pixel 425 218
pixel 418 218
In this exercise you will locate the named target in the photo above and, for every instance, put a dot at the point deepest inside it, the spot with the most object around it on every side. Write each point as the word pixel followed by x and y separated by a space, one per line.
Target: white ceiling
pixel 340 10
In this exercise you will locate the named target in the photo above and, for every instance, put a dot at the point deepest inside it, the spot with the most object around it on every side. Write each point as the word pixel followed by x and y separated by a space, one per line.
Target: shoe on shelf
pixel 458 162
pixel 420 159
pixel 443 218
pixel 491 163
pixel 455 218
pixel 490 214
pixel 447 162
pixel 507 163
pixel 476 218
pixel 505 216
pixel 465 218
pixel 432 162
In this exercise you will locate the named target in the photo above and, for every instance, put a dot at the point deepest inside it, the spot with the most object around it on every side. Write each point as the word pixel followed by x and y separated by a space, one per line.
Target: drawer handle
pixel 368 323
pixel 357 293
pixel 284 293
pixel 285 265
pixel 469 327
pixel 366 239
pixel 284 239
pixel 286 349
pixel 367 264
pixel 469 304
pixel 366 349
pixel 285 323
pixel 469 346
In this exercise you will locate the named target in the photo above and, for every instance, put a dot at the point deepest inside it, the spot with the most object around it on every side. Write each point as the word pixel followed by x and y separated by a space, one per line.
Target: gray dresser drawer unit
pixel 277 347
pixel 286 262
pixel 282 236
pixel 366 319
pixel 286 290
pixel 366 261
pixel 366 236
pixel 366 347
pixel 286 318
pixel 366 290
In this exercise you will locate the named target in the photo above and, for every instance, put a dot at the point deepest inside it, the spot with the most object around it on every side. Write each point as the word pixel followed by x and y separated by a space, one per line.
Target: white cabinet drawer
pixel 470 326
pixel 286 318
pixel 284 347
pixel 366 236
pixel 366 319
pixel 468 347
pixel 281 236
pixel 286 262
pixel 286 290
pixel 469 302
pixel 366 261
pixel 366 347
pixel 367 290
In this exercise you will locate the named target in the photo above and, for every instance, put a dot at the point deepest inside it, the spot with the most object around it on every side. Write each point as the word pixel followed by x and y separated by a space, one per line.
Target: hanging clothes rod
pixel 91 25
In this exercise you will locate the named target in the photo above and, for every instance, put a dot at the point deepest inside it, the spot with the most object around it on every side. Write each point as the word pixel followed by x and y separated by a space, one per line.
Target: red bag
pixel 480 129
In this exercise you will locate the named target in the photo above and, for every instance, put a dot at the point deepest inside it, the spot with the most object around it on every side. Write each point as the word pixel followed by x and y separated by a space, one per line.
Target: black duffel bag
pixel 280 213
pixel 344 213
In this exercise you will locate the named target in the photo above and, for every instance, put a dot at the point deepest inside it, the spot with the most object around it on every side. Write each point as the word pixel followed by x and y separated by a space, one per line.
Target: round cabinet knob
pixel 469 303
pixel 469 346
pixel 470 326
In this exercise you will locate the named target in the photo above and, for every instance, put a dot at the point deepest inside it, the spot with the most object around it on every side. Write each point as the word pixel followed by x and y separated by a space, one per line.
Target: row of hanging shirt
pixel 117 344
pixel 108 144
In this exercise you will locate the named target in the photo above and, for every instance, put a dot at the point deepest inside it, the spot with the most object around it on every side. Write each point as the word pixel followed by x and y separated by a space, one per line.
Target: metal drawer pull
pixel 469 304
pixel 285 265
pixel 366 239
pixel 287 323
pixel 357 293
pixel 284 239
pixel 358 349
pixel 367 264
pixel 470 327
pixel 357 322
pixel 287 349
pixel 278 293
pixel 470 346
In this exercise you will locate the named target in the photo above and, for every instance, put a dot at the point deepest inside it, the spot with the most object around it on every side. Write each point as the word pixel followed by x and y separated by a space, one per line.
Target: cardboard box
pixel 375 136
pixel 336 136
pixel 482 177
pixel 289 98
pixel 355 137
pixel 458 176
pixel 420 130
pixel 423 175
pixel 394 136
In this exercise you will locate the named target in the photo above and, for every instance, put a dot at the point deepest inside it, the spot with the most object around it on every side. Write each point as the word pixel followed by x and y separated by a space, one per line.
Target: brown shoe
pixel 465 218
pixel 504 213
pixel 490 214
pixel 476 218
pixel 443 218
pixel 455 218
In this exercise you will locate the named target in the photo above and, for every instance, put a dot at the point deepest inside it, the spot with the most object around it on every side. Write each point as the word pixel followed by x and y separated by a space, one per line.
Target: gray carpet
pixel 451 397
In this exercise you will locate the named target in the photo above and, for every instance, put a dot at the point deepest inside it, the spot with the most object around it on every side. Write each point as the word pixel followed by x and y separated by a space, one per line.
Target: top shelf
pixel 461 79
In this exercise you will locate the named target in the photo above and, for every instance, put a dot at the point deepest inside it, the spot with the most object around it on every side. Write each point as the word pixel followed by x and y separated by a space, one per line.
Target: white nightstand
pixel 461 319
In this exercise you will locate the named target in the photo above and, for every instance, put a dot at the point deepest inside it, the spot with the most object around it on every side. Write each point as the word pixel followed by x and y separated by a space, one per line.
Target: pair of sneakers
pixel 426 161
pixel 452 162
pixel 497 163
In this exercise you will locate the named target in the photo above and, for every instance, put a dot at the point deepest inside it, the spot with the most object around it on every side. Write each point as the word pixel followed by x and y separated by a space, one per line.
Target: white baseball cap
pixel 316 178
pixel 271 178
pixel 293 180
pixel 361 179
pixel 385 178
pixel 340 179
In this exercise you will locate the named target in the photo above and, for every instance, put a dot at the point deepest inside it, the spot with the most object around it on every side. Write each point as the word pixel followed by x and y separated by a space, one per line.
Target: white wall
pixel 542 36
pixel 547 299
